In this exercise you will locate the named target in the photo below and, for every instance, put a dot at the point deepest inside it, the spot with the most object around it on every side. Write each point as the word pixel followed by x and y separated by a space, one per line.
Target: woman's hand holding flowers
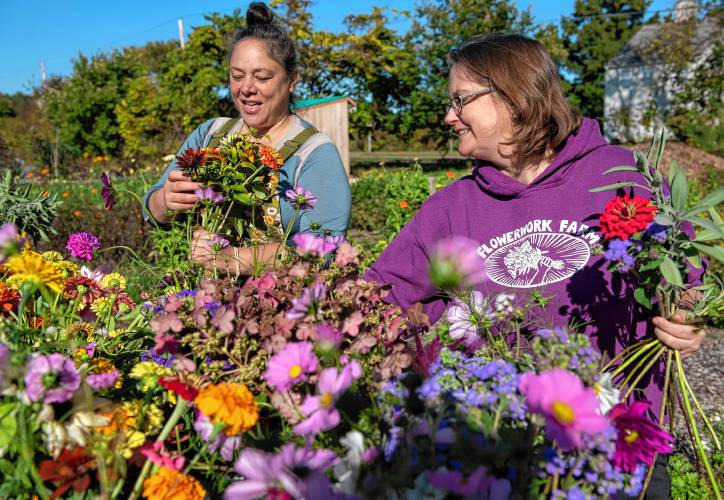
pixel 678 334
pixel 178 191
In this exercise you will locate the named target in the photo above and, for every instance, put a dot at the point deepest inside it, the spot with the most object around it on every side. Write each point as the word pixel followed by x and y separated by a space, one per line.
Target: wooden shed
pixel 331 116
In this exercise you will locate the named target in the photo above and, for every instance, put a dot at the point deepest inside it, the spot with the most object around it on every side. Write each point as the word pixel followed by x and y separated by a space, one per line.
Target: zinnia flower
pixel 84 289
pixel 30 267
pixel 114 280
pixel 190 159
pixel 230 404
pixel 9 299
pixel 456 264
pixel 174 385
pixel 169 483
pixel 291 365
pixel 156 453
pixel 70 470
pixel 319 410
pixel 570 408
pixel 108 192
pixel 52 379
pixel 271 158
pixel 625 216
pixel 639 439
pixel 300 198
pixel 82 245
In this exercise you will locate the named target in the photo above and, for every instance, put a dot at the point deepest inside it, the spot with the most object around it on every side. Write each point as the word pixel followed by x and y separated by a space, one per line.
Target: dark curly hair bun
pixel 259 13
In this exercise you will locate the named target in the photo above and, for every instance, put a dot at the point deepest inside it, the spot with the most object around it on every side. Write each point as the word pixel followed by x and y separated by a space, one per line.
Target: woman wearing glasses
pixel 527 204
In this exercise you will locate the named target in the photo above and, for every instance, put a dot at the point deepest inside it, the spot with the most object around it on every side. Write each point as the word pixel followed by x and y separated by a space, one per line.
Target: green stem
pixel 644 371
pixel 633 357
pixel 707 423
pixel 25 452
pixel 170 424
pixel 689 416
pixel 636 370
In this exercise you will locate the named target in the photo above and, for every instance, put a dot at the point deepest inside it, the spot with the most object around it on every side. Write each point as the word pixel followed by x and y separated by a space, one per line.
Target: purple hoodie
pixel 532 236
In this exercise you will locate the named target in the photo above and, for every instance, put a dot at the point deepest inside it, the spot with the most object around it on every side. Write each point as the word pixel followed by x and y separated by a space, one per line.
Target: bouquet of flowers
pixel 652 239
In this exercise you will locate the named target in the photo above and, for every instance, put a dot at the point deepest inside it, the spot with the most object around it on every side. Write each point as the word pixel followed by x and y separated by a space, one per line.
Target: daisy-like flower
pixel 308 244
pixel 169 483
pixel 148 373
pixel 639 439
pixel 108 192
pixel 114 280
pixel 30 267
pixel 291 365
pixel 82 289
pixel 570 408
pixel 70 470
pixel 308 303
pixel 208 195
pixel 190 159
pixel 300 198
pixel 52 379
pixel 467 315
pixel 625 216
pixel 230 404
pixel 82 245
pixel 607 394
pixel 455 264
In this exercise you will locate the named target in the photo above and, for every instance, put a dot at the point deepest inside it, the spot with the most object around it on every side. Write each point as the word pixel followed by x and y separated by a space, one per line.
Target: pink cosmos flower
pixel 570 408
pixel 310 245
pixel 456 264
pixel 328 336
pixel 52 379
pixel 477 485
pixel 466 317
pixel 300 198
pixel 82 245
pixel 291 365
pixel 639 439
pixel 319 410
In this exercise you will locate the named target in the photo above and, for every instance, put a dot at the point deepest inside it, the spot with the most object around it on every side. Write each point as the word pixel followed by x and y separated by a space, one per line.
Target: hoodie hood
pixel 579 144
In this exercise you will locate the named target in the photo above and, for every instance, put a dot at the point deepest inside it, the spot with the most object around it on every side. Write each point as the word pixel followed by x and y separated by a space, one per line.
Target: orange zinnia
pixel 404 204
pixel 450 175
pixel 45 171
pixel 66 194
pixel 77 213
pixel 169 483
pixel 230 404
pixel 29 175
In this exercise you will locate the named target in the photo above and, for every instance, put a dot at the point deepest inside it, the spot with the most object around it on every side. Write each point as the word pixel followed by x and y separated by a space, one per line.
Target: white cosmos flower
pixel 347 470
pixel 465 316
pixel 608 395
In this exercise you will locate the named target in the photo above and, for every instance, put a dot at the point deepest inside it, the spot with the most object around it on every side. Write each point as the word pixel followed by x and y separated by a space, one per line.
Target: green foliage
pixel 30 210
pixel 592 37
pixel 686 481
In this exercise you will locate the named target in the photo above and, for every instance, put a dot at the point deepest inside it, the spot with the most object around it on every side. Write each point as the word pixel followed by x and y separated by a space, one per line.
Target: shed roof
pixel 308 103
pixel 634 52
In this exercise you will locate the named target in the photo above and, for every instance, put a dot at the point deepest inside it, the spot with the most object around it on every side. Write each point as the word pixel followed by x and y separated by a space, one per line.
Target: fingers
pixel 679 336
pixel 177 175
pixel 180 201
pixel 178 191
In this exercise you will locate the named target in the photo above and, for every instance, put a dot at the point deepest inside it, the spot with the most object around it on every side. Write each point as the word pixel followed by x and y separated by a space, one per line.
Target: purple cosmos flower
pixel 300 198
pixel 307 244
pixel 293 458
pixel 208 195
pixel 328 336
pixel 52 379
pixel 108 192
pixel 618 252
pixel 639 439
pixel 263 475
pixel 477 484
pixel 226 445
pixel 319 410
pixel 218 243
pixel 82 245
pixel 291 365
pixel 455 264
pixel 308 302
pixel 101 381
pixel 570 408
pixel 466 317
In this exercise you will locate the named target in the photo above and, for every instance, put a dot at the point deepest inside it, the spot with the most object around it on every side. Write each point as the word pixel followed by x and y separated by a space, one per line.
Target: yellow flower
pixel 231 404
pixel 67 269
pixel 134 439
pixel 169 483
pixel 105 365
pixel 52 256
pixel 117 332
pixel 114 280
pixel 30 267
pixel 149 372
pixel 80 329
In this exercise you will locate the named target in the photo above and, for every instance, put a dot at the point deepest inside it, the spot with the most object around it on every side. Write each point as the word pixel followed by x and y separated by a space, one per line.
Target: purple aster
pixel 263 476
pixel 108 192
pixel 456 264
pixel 208 195
pixel 319 410
pixel 300 198
pixel 291 365
pixel 163 359
pixel 101 381
pixel 226 445
pixel 218 243
pixel 308 302
pixel 52 379
pixel 657 232
pixel 308 244
pixel 82 245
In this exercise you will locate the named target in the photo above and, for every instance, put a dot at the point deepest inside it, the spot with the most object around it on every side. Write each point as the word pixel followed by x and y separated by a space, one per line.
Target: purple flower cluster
pixel 657 232
pixel 218 243
pixel 559 348
pixel 164 359
pixel 82 245
pixel 617 252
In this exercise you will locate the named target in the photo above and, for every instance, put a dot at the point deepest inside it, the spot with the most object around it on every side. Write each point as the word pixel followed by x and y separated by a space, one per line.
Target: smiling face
pixel 259 85
pixel 484 122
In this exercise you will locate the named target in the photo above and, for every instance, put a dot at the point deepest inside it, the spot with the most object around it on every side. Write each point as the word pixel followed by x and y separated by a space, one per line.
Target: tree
pixel 595 33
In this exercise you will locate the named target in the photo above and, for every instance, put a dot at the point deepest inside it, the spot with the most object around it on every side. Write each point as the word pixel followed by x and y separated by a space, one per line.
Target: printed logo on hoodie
pixel 538 253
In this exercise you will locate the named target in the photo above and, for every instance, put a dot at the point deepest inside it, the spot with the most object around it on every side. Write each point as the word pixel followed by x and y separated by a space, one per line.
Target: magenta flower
pixel 477 485
pixel 52 379
pixel 226 445
pixel 218 243
pixel 156 453
pixel 108 192
pixel 101 381
pixel 639 439
pixel 9 240
pixel 263 477
pixel 310 245
pixel 208 195
pixel 300 198
pixel 319 410
pixel 291 365
pixel 455 263
pixel 82 245
pixel 308 303
pixel 569 407
pixel 328 336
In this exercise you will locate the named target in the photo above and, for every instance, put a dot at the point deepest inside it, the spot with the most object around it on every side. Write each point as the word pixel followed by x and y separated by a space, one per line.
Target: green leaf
pixel 642 298
pixel 244 198
pixel 8 424
pixel 612 186
pixel 671 272
pixel 673 170
pixel 621 169
pixel 654 264
pixel 715 216
pixel 680 191
pixel 706 224
pixel 663 220
pixel 707 235
pixel 693 255
pixel 716 252
pixel 660 150
pixel 711 200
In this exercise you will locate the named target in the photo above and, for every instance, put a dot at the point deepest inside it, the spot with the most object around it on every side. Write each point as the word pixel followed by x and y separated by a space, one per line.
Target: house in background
pixel 331 116
pixel 639 85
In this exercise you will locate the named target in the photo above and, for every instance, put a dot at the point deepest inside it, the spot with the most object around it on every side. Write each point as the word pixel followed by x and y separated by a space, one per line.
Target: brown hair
pixel 525 77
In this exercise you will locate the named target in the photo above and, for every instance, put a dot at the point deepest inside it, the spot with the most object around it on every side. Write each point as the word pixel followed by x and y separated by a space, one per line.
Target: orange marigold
pixel 168 483
pixel 230 404
pixel 450 175
pixel 404 204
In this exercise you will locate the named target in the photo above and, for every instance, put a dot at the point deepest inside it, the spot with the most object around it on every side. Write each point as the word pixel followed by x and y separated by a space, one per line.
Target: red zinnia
pixel 625 216
pixel 639 439
pixel 85 289
pixel 9 299
pixel 70 469
pixel 186 391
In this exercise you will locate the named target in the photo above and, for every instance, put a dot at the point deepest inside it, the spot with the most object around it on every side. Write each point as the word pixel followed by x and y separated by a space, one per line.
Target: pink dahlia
pixel 570 408
pixel 83 245
pixel 291 365
pixel 639 439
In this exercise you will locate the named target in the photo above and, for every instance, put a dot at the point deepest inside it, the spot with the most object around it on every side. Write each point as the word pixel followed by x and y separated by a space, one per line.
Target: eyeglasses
pixel 457 102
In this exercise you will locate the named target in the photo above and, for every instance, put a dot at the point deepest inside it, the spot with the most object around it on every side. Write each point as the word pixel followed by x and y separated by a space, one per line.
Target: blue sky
pixel 56 31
